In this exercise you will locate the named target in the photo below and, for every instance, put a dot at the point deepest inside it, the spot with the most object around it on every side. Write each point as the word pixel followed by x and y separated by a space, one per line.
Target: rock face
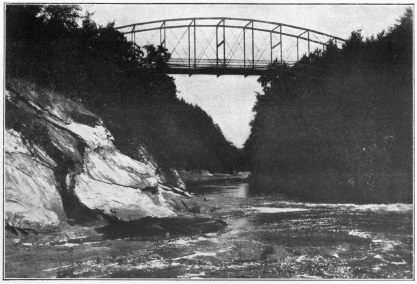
pixel 32 199
pixel 60 162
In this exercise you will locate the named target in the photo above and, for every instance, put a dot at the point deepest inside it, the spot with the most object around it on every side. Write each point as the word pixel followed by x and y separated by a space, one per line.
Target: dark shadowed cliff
pixel 338 125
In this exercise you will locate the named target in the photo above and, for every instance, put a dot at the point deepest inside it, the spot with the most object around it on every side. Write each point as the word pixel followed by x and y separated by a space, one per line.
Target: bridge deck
pixel 218 67
pixel 216 71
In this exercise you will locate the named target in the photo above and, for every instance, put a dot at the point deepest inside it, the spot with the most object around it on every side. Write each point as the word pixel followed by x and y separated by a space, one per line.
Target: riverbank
pixel 336 187
pixel 203 177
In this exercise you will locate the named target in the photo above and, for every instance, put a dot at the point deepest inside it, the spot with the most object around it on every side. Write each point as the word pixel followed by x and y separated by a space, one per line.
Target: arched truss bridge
pixel 223 46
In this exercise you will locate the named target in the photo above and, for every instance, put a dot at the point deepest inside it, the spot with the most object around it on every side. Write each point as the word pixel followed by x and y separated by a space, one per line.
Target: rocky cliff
pixel 61 166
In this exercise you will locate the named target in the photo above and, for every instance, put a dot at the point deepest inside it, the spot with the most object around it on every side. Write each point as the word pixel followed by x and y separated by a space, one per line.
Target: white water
pixel 276 210
pixel 396 207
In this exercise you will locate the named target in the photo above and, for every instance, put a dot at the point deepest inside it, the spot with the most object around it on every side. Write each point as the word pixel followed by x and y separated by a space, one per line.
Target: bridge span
pixel 223 46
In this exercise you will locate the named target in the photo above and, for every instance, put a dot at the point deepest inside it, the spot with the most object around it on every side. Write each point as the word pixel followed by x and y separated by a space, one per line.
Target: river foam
pixel 276 210
pixel 395 207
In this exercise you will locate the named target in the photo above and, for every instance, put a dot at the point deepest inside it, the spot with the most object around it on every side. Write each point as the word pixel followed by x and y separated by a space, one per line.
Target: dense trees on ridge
pixel 337 126
pixel 123 83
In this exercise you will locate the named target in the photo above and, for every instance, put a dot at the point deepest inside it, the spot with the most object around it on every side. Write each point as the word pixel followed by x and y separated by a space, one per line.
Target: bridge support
pixel 280 41
pixel 253 48
pixel 278 44
pixel 195 47
pixel 308 42
pixel 189 47
pixel 223 42
pixel 298 58
pixel 163 42
pixel 133 39
pixel 133 35
pixel 244 45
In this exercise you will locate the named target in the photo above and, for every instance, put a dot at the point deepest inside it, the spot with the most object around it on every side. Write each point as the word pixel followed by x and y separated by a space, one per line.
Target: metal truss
pixel 242 54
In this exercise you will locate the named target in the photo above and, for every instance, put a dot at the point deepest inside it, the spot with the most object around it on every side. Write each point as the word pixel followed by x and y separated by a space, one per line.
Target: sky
pixel 229 99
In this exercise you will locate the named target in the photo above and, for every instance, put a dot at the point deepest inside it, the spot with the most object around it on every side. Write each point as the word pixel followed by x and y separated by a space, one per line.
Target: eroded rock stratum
pixel 61 164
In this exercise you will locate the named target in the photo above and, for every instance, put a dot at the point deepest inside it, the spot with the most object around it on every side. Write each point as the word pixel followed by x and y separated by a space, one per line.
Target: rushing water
pixel 268 236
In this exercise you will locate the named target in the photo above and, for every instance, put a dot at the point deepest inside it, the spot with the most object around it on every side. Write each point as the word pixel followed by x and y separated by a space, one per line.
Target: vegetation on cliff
pixel 123 83
pixel 337 125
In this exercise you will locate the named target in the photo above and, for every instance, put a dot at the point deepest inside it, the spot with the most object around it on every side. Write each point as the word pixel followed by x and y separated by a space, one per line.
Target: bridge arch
pixel 218 45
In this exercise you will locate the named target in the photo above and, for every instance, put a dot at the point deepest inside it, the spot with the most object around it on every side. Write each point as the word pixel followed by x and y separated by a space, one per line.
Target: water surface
pixel 268 236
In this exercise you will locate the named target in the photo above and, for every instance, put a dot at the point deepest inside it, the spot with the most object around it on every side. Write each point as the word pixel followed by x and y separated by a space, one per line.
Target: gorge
pixel 108 173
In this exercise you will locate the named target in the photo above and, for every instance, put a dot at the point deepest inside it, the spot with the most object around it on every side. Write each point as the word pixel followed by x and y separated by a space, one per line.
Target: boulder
pixel 206 173
pixel 171 178
pixel 32 201
pixel 122 202
pixel 112 167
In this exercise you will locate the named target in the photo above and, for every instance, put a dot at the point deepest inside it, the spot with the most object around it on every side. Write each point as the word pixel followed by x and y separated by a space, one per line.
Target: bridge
pixel 222 46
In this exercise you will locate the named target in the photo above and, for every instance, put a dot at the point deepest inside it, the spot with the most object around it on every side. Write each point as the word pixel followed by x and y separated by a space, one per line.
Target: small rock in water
pixel 300 258
pixel 267 250
pixel 344 246
pixel 71 222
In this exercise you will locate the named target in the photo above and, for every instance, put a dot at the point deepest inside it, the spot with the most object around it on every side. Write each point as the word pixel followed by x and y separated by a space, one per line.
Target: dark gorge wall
pixel 338 125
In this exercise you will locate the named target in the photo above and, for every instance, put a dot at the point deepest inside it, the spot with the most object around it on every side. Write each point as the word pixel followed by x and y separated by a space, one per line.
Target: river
pixel 267 236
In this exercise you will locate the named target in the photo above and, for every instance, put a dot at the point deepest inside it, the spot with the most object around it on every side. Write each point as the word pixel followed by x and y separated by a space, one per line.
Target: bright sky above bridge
pixel 229 99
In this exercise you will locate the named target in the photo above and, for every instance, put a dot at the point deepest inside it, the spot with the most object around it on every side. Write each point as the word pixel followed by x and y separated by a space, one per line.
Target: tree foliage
pixel 125 84
pixel 338 124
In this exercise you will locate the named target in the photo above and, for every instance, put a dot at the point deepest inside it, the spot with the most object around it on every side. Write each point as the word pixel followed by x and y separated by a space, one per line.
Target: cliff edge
pixel 61 166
